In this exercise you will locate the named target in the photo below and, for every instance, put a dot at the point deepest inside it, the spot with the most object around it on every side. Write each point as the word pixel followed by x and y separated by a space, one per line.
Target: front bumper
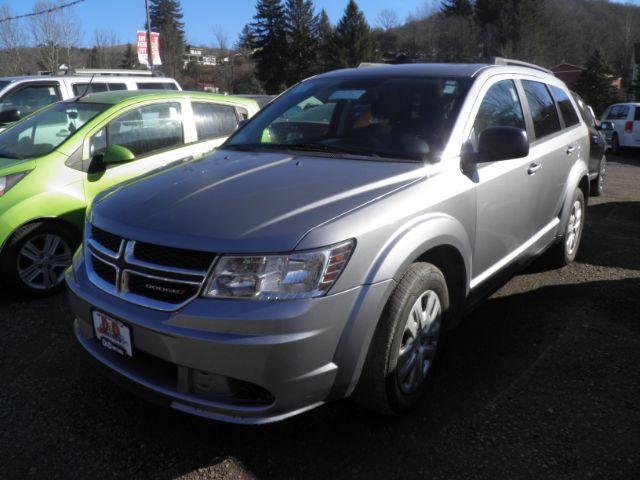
pixel 301 352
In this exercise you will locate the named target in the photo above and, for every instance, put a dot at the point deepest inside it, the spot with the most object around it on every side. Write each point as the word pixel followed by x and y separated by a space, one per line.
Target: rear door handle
pixel 533 168
pixel 570 149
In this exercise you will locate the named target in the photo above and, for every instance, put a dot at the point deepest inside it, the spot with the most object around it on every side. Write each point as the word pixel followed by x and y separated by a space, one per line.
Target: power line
pixel 42 12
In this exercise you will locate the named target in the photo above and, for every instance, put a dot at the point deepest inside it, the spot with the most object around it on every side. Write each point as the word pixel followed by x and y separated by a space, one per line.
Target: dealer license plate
pixel 112 333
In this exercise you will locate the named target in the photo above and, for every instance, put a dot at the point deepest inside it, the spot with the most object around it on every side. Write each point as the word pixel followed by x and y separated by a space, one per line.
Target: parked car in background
pixel 54 162
pixel 316 256
pixel 625 119
pixel 21 96
pixel 598 146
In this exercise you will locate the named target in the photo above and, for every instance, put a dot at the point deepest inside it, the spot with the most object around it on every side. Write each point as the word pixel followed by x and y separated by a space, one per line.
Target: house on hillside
pixel 570 74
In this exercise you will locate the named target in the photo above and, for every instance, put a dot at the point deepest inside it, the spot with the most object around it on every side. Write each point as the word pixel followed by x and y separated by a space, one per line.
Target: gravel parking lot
pixel 542 381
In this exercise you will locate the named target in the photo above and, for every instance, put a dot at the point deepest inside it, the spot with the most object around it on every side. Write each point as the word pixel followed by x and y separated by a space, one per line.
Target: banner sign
pixel 141 47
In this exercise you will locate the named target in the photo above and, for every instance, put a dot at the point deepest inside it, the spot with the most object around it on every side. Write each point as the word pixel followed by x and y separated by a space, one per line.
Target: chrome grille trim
pixel 126 266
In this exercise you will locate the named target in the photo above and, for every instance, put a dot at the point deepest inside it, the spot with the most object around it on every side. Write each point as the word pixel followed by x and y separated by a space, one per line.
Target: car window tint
pixel 500 107
pixel 584 111
pixel 117 86
pixel 543 110
pixel 29 99
pixel 213 120
pixel 157 86
pixel 637 114
pixel 98 143
pixel 148 129
pixel 618 112
pixel 84 88
pixel 566 107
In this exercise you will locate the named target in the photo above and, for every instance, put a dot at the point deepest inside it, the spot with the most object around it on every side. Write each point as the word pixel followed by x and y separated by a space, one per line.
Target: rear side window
pixel 81 88
pixel 618 112
pixel 500 107
pixel 213 120
pixel 569 114
pixel 637 116
pixel 543 109
pixel 30 98
pixel 157 86
pixel 145 129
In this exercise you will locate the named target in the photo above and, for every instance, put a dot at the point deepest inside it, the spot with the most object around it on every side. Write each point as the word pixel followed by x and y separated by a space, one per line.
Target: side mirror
pixel 117 154
pixel 10 116
pixel 242 123
pixel 502 143
pixel 604 126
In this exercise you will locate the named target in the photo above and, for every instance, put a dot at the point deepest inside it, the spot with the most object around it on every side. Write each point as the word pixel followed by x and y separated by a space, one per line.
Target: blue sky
pixel 124 17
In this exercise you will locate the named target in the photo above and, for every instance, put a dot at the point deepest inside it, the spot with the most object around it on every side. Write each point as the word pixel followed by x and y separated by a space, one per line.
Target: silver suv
pixel 325 249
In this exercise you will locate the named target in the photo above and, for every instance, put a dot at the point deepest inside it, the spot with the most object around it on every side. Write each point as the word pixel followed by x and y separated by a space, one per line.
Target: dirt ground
pixel 541 381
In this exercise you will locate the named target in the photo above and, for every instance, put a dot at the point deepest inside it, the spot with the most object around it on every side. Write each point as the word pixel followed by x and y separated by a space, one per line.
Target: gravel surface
pixel 541 381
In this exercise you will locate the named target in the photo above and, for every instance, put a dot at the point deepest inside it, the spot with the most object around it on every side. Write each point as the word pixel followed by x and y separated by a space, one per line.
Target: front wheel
pixel 616 149
pixel 35 258
pixel 597 184
pixel 404 347
pixel 564 252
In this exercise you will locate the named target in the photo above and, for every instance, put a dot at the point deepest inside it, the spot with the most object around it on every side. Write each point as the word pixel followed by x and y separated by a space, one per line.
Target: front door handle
pixel 533 168
pixel 570 149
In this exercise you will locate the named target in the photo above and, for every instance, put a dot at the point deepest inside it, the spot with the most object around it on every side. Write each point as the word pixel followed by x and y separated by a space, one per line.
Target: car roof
pixel 86 78
pixel 120 96
pixel 454 70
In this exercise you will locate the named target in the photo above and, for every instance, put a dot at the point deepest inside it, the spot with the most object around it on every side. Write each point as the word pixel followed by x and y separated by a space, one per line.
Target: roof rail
pixel 112 72
pixel 371 64
pixel 518 63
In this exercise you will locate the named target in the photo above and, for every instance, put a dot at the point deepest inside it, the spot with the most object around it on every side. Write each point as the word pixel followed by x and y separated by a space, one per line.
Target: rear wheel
pixel 564 252
pixel 616 149
pixel 404 348
pixel 35 258
pixel 597 184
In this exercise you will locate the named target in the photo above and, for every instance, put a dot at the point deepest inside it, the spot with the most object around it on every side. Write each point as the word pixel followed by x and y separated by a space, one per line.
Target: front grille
pixel 172 257
pixel 106 239
pixel 105 271
pixel 161 290
pixel 160 277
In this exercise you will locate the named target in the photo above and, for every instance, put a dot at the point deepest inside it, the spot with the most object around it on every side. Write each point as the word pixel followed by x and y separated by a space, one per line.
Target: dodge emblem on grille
pixel 158 288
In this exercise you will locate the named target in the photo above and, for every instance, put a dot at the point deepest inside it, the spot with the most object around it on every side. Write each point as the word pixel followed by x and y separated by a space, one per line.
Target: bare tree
pixel 12 42
pixel 387 19
pixel 107 52
pixel 221 38
pixel 55 34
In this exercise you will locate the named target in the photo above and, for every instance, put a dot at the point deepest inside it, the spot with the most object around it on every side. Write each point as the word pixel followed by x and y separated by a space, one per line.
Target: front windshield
pixel 374 116
pixel 45 131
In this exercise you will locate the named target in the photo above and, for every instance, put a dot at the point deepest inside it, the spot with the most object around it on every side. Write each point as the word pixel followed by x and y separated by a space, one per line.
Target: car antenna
pixel 86 90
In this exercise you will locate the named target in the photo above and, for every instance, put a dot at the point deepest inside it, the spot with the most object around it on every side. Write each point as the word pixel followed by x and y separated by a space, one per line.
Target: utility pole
pixel 149 56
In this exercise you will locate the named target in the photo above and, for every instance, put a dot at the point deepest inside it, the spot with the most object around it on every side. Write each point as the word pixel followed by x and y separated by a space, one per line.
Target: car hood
pixel 236 201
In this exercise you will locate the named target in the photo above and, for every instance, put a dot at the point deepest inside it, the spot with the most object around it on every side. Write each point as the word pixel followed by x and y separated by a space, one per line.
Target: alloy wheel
pixel 42 261
pixel 601 175
pixel 419 342
pixel 574 227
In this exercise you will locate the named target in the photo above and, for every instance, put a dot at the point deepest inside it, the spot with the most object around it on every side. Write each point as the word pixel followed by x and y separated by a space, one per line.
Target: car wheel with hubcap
pixel 564 252
pixel 36 257
pixel 597 184
pixel 406 342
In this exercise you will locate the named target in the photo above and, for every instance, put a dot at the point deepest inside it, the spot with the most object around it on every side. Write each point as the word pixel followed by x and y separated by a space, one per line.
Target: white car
pixel 21 96
pixel 625 118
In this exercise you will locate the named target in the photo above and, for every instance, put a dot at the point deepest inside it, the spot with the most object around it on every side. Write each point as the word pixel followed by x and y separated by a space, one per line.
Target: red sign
pixel 141 46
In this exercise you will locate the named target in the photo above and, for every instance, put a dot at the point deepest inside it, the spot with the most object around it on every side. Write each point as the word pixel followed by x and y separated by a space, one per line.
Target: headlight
pixel 9 181
pixel 279 277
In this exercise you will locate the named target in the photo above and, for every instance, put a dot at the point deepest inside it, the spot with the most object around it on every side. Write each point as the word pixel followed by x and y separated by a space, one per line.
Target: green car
pixel 54 162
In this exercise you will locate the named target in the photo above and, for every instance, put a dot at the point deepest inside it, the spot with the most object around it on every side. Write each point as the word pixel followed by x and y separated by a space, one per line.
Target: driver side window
pixel 500 108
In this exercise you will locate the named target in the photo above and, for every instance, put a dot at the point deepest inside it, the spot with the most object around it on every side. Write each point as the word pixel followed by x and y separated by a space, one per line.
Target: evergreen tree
pixel 128 58
pixel 302 39
pixel 166 18
pixel 634 88
pixel 245 40
pixel 352 42
pixel 461 8
pixel 595 84
pixel 269 38
pixel 325 34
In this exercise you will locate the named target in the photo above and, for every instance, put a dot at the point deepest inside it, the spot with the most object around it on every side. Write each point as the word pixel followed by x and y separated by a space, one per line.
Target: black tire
pixel 597 184
pixel 616 149
pixel 10 257
pixel 379 388
pixel 560 254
